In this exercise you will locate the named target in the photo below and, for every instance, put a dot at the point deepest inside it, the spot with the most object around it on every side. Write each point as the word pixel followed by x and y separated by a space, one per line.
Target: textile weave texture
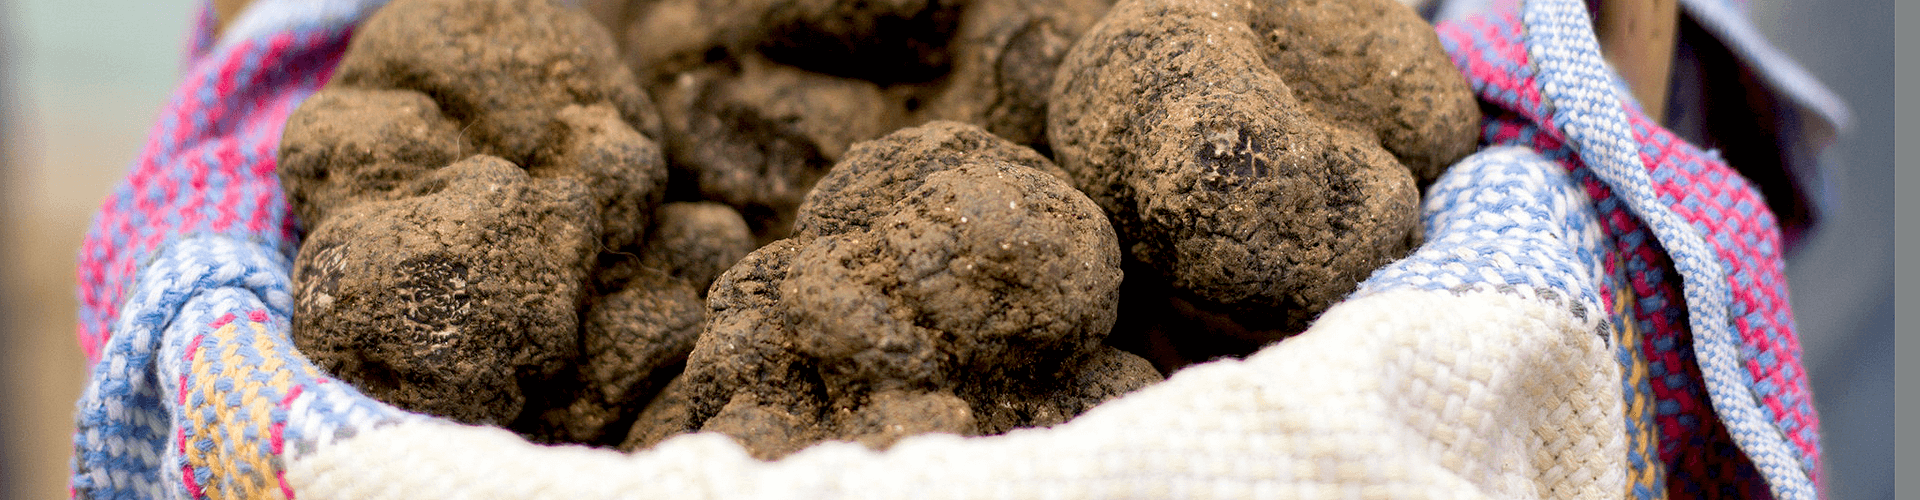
pixel 1703 254
pixel 1599 311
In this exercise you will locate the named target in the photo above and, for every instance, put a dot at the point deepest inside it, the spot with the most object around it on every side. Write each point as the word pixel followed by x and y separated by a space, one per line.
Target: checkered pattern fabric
pixel 1535 228
pixel 1598 312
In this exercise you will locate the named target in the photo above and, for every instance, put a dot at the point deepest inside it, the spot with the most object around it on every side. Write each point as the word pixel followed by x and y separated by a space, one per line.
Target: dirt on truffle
pixel 441 301
pixel 761 97
pixel 527 81
pixel 696 241
pixel 1258 160
pixel 634 339
pixel 758 137
pixel 486 242
pixel 969 293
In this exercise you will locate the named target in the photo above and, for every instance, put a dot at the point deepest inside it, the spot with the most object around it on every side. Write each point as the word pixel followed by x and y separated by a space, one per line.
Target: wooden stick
pixel 224 11
pixel 1637 36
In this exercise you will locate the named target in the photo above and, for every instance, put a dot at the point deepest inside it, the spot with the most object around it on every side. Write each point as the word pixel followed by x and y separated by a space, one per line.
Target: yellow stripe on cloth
pixel 1645 480
pixel 242 392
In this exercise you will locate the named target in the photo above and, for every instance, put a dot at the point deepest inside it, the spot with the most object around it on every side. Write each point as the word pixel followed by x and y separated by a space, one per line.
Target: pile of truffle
pixel 791 221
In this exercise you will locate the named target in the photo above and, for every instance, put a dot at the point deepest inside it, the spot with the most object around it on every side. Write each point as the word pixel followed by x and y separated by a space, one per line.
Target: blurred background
pixel 82 80
pixel 1842 278
pixel 80 83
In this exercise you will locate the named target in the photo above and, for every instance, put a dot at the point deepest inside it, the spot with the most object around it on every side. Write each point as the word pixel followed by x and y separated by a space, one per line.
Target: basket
pixel 1599 311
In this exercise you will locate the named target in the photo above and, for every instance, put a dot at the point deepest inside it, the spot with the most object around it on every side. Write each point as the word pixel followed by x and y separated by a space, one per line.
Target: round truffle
pixel 440 302
pixel 972 282
pixel 525 80
pixel 1259 159
pixel 462 175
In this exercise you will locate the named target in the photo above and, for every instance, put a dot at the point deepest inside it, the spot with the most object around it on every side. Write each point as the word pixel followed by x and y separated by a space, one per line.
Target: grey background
pixel 1842 280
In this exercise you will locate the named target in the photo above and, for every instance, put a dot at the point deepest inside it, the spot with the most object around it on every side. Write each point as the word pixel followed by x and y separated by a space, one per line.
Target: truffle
pixel 526 80
pixel 941 280
pixel 760 98
pixel 479 179
pixel 442 300
pixel 758 137
pixel 634 339
pixel 696 241
pixel 1258 159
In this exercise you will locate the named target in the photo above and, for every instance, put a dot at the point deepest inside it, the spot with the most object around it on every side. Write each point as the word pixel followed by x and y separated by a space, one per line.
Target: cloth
pixel 205 173
pixel 1703 253
pixel 1723 66
pixel 1598 312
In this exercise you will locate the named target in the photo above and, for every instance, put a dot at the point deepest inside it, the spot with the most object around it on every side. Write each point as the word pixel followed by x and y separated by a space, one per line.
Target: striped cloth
pixel 1599 312
pixel 1707 288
